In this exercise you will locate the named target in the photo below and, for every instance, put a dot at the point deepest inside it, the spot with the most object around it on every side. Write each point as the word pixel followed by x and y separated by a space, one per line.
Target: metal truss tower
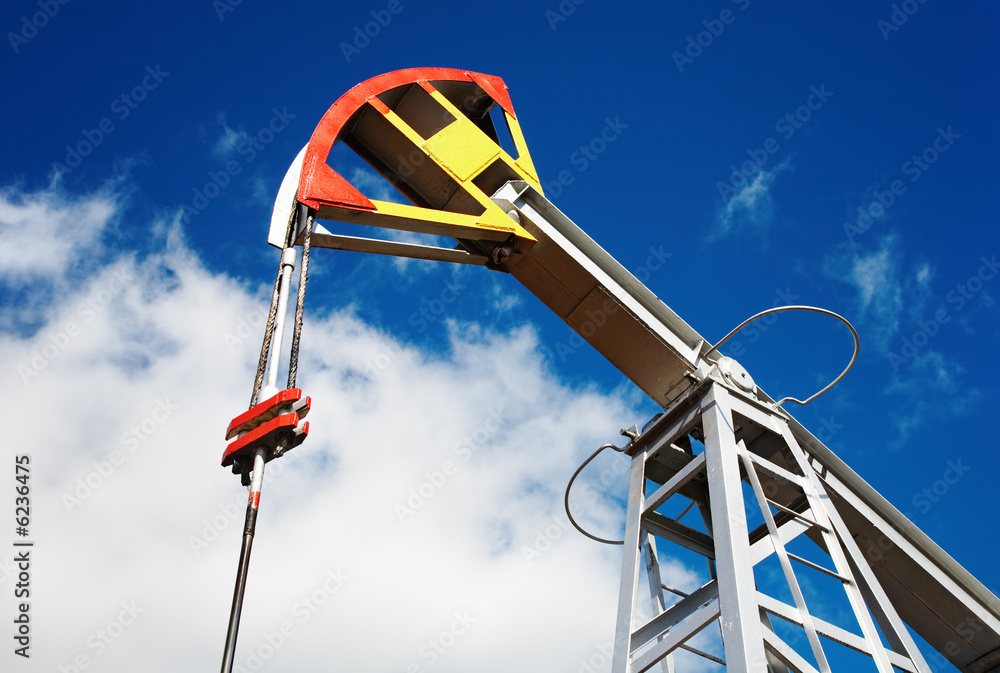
pixel 725 452
pixel 450 142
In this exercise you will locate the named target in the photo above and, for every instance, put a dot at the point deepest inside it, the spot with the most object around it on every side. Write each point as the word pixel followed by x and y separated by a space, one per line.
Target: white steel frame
pixel 731 598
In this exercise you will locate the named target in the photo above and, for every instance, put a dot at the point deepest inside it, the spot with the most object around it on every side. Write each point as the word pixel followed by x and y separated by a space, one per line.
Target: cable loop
pixel 570 485
pixel 814 309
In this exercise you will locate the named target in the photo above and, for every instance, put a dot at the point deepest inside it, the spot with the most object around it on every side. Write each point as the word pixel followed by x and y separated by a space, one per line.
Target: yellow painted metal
pixel 464 152
pixel 492 225
pixel 524 163
pixel 404 128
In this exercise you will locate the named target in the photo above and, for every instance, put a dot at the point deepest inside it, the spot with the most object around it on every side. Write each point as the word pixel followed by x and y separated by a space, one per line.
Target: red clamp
pixel 273 424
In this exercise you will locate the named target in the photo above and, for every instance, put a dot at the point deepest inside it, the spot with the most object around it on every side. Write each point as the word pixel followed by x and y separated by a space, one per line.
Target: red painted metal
pixel 268 435
pixel 264 411
pixel 321 185
pixel 268 424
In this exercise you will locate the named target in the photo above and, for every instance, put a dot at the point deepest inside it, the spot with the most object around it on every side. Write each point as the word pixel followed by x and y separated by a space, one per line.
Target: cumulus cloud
pixel 890 295
pixel 876 276
pixel 228 139
pixel 924 274
pixel 43 234
pixel 420 524
pixel 889 291
pixel 751 205
pixel 374 186
pixel 932 386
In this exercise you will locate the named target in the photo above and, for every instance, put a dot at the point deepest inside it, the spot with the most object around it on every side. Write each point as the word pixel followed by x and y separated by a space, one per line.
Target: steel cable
pixel 293 358
pixel 814 309
pixel 570 485
pixel 265 348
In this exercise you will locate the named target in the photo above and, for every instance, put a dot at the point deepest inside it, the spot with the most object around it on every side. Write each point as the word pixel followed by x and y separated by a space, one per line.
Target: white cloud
pixel 875 277
pixel 228 140
pixel 751 205
pixel 503 299
pixel 880 291
pixel 123 416
pixel 890 292
pixel 44 233
pixel 924 274
pixel 263 191
pixel 889 297
pixel 932 386
pixel 374 186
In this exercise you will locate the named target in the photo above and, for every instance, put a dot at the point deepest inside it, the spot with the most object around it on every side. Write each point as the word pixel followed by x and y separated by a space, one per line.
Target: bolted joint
pixel 274 425
pixel 503 253
pixel 276 437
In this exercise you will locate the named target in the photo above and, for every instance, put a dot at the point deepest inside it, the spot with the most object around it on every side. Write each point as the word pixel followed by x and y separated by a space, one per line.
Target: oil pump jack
pixel 720 447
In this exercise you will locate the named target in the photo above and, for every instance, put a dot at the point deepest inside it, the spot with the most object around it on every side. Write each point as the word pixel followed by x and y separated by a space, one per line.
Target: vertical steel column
pixel 740 612
pixel 631 559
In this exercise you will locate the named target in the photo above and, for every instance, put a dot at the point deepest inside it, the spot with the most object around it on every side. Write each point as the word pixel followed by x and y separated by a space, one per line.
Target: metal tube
pixel 287 264
pixel 260 456
pixel 265 348
pixel 253 502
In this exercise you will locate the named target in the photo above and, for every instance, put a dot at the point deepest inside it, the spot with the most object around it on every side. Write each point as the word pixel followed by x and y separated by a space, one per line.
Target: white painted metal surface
pixel 744 442
pixel 664 356
pixel 285 204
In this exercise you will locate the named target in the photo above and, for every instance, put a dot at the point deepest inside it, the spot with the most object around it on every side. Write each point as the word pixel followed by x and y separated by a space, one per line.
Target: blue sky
pixel 843 156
